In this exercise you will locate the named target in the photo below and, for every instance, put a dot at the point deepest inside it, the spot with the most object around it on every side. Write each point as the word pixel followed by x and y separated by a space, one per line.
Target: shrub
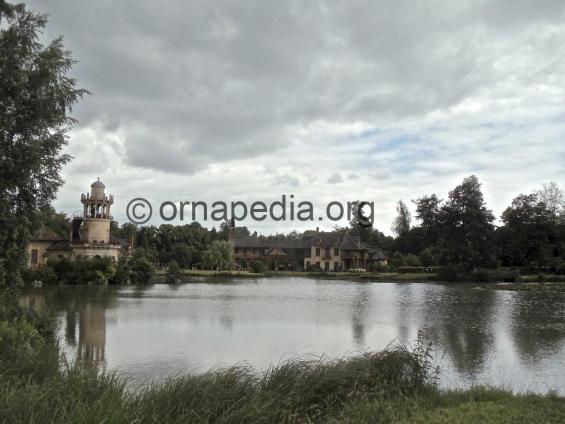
pixel 257 267
pixel 45 274
pixel 412 260
pixel 429 257
pixel 397 260
pixel 174 273
pixel 24 352
pixel 141 269
pixel 123 273
pixel 27 341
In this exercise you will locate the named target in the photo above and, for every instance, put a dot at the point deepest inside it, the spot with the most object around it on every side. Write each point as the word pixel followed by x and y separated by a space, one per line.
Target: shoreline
pixel 526 281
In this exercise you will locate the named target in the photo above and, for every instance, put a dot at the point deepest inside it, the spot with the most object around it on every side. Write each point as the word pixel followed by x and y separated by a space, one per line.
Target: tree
pixel 123 272
pixel 466 227
pixel 428 213
pixel 218 256
pixel 141 267
pixel 174 273
pixel 429 257
pixel 401 224
pixel 397 260
pixel 412 260
pixel 58 222
pixel 182 254
pixel 36 95
pixel 553 197
pixel 258 267
pixel 530 232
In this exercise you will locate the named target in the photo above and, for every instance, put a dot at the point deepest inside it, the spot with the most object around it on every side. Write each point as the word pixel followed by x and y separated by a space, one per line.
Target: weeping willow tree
pixel 36 96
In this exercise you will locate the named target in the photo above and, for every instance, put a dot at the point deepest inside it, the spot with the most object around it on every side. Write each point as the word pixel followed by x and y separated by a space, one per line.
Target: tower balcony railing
pixel 98 216
pixel 88 197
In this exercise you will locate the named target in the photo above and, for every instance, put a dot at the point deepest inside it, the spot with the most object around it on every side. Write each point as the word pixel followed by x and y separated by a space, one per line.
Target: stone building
pixel 89 235
pixel 316 250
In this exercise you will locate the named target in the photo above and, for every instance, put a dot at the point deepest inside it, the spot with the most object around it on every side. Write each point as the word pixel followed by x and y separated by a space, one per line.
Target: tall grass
pixel 298 390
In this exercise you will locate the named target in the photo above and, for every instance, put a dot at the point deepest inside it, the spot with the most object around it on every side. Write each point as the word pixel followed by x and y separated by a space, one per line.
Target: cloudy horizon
pixel 327 101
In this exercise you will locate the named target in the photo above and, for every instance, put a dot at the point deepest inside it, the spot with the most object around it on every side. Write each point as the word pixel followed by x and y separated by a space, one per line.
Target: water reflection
pixel 359 314
pixel 538 325
pixel 514 339
pixel 83 309
pixel 465 320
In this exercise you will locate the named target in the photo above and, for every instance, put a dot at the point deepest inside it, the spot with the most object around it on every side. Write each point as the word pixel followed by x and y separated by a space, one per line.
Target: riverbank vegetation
pixel 395 385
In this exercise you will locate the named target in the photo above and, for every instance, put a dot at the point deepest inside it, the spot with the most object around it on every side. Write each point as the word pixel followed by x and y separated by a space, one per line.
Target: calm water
pixel 504 338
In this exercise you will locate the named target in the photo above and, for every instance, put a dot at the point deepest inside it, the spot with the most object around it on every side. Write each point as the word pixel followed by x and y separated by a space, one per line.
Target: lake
pixel 510 339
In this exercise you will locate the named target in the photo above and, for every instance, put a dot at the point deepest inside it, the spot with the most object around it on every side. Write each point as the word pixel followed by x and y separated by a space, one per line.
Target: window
pixel 336 251
pixel 336 266
pixel 317 251
pixel 307 265
pixel 327 253
pixel 326 266
pixel 34 256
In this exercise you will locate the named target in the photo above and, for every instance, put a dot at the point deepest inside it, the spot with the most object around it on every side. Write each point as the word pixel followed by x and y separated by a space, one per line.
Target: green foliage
pixel 58 222
pixel 36 95
pixel 412 260
pixel 24 352
pixel 27 341
pixel 461 229
pixel 82 271
pixel 218 257
pixel 45 274
pixel 141 267
pixel 123 273
pixel 531 233
pixel 429 257
pixel 78 271
pixel 468 232
pixel 174 273
pixel 397 260
pixel 258 267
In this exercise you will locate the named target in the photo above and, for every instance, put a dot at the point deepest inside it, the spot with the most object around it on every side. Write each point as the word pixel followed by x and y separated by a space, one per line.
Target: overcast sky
pixel 380 101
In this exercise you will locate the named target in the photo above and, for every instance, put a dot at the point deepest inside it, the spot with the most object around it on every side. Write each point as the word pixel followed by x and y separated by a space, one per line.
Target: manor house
pixel 315 251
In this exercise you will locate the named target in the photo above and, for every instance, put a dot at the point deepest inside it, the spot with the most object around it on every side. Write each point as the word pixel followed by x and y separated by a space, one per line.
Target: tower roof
pixel 98 183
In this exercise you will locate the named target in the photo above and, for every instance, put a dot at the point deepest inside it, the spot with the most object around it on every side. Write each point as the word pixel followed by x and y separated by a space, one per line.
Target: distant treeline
pixel 457 234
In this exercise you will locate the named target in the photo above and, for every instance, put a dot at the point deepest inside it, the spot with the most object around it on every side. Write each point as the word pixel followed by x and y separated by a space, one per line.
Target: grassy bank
pixel 394 385
pixel 385 387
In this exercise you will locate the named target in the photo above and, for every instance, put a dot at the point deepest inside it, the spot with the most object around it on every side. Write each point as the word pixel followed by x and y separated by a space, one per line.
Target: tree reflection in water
pixel 538 324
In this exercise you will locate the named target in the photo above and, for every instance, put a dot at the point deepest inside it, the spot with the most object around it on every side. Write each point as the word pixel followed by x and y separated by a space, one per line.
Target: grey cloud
pixel 285 180
pixel 193 83
pixel 335 178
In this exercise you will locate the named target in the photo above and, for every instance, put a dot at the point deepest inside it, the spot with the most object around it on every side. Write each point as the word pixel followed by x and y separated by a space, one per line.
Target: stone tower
pixel 96 214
